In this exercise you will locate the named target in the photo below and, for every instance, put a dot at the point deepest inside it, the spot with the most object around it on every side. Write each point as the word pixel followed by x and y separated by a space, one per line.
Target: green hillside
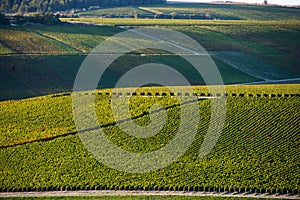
pixel 244 51
pixel 200 11
pixel 256 152
pixel 229 11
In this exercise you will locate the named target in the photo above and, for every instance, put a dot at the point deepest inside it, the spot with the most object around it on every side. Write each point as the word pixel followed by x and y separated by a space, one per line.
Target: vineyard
pixel 74 36
pixel 257 151
pixel 20 40
pixel 202 11
pixel 230 12
pixel 55 53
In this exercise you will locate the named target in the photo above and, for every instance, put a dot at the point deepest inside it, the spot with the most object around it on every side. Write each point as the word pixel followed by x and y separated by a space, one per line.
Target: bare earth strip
pixel 140 193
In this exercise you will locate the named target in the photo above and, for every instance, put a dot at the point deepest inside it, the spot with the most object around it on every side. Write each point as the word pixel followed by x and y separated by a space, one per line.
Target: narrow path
pixel 99 193
pixel 290 80
pixel 246 71
pixel 167 42
pixel 54 40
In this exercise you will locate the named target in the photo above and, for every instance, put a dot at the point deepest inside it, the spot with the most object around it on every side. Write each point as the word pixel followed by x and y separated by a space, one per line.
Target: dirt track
pixel 139 193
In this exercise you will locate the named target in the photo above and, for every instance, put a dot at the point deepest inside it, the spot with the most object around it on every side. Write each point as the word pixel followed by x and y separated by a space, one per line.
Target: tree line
pixel 24 6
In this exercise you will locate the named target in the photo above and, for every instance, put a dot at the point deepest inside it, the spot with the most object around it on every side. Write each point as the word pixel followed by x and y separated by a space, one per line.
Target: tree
pixel 55 5
pixel 3 20
pixel 265 2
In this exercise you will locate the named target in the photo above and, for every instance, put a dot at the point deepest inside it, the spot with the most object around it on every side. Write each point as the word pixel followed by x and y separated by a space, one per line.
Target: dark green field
pixel 240 57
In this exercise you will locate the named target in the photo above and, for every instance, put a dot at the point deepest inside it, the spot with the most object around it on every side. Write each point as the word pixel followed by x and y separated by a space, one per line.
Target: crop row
pixel 22 40
pixel 220 191
pixel 45 117
pixel 258 150
pixel 73 35
pixel 209 11
pixel 179 94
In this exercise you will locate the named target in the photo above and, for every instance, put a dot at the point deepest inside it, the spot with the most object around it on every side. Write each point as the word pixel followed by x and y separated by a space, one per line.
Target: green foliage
pixel 258 148
pixel 44 18
pixel 259 145
pixel 120 11
pixel 24 6
pixel 3 20
pixel 38 18
pixel 5 50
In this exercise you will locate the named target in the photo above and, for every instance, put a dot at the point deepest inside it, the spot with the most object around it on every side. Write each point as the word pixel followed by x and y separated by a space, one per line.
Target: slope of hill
pixel 258 150
pixel 228 11
pixel 244 51
pixel 200 11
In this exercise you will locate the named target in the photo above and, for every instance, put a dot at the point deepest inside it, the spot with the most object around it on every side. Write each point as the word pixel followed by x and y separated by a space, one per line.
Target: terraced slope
pixel 257 151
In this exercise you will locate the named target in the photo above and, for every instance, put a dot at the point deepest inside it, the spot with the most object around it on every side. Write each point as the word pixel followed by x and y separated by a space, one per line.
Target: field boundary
pixel 171 94
pixel 146 193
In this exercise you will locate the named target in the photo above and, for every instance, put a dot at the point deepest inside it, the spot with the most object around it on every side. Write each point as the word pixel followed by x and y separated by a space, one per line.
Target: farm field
pixel 35 75
pixel 256 153
pixel 240 57
pixel 23 41
pixel 229 12
pixel 210 11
